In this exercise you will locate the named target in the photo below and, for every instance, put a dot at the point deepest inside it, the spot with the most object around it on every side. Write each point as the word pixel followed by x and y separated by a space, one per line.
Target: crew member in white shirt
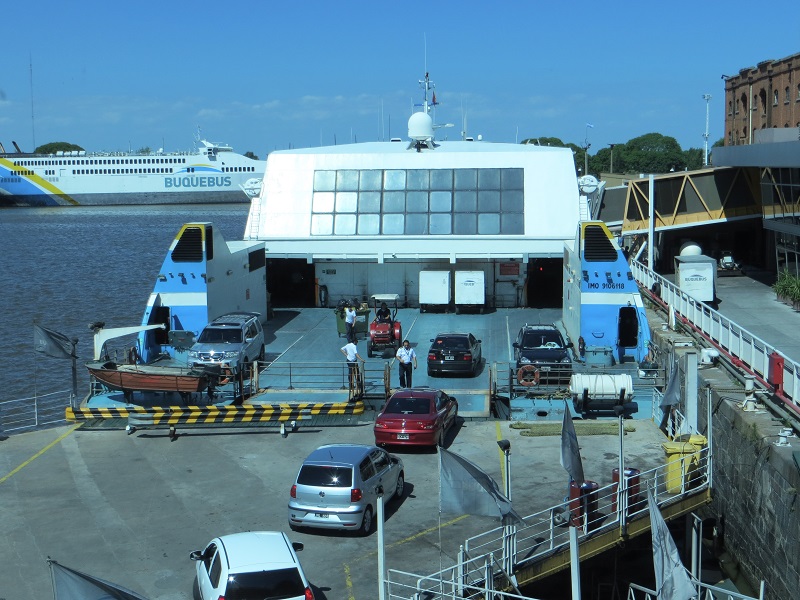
pixel 406 358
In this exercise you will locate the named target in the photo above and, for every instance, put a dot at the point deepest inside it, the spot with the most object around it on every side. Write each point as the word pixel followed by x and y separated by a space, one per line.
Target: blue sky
pixel 263 76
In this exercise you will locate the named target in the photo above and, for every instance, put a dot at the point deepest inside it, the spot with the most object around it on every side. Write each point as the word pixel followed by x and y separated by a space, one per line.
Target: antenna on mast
pixel 33 125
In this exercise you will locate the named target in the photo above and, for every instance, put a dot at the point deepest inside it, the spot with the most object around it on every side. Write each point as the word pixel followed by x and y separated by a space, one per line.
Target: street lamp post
pixel 509 531
pixel 707 98
pixel 381 547
pixel 612 156
pixel 586 146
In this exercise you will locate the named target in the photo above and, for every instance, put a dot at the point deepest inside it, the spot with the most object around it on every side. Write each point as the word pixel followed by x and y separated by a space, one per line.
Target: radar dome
pixel 420 127
pixel 690 248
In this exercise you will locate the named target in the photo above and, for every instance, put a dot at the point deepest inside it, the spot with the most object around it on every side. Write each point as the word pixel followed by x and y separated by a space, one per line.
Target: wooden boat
pixel 148 377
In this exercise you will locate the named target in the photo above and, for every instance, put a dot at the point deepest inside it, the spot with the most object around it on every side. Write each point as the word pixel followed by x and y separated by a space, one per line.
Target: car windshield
pixel 408 406
pixel 452 342
pixel 212 335
pixel 322 476
pixel 540 339
pixel 265 585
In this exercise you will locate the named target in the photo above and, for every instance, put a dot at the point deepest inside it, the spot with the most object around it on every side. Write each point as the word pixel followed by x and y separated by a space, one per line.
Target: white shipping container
pixel 470 288
pixel 434 289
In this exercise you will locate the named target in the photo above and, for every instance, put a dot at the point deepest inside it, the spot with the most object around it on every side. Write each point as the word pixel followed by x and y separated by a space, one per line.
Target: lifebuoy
pixel 528 375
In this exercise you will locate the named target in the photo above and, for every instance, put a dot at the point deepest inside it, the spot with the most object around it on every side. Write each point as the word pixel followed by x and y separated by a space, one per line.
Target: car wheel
pixel 370 354
pixel 430 373
pixel 196 589
pixel 366 523
pixel 401 484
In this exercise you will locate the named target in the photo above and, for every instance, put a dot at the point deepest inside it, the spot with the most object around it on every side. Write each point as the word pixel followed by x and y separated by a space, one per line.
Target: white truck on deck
pixel 697 276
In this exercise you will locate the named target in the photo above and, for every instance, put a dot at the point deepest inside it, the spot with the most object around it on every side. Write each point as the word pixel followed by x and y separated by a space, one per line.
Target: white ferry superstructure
pixel 210 174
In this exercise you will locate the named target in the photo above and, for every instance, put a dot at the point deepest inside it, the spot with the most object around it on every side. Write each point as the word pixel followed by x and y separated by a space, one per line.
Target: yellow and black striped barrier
pixel 207 415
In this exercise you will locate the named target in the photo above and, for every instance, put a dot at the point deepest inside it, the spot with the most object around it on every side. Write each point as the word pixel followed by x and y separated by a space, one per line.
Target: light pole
pixel 381 547
pixel 586 146
pixel 707 98
pixel 509 531
pixel 612 156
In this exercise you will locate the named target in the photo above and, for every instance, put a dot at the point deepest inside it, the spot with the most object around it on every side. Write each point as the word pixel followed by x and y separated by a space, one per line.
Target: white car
pixel 249 565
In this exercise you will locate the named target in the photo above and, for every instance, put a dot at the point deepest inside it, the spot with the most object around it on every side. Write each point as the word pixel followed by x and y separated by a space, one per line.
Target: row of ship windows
pixel 142 170
pixel 417 224
pixel 98 161
pixel 129 171
pixel 487 201
pixel 354 180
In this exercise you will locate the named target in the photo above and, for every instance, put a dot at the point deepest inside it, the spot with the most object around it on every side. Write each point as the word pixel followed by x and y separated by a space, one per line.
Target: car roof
pixel 233 319
pixel 528 327
pixel 453 334
pixel 257 551
pixel 339 454
pixel 416 392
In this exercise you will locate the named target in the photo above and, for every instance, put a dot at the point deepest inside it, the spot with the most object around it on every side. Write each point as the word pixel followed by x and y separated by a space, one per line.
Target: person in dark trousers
pixel 350 323
pixel 407 359
pixel 350 351
pixel 384 315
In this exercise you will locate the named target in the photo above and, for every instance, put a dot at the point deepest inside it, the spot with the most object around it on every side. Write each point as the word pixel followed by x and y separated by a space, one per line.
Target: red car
pixel 418 416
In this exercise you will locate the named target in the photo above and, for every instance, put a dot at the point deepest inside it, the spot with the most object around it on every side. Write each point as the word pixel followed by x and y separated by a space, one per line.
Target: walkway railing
pixel 745 348
pixel 329 377
pixel 25 414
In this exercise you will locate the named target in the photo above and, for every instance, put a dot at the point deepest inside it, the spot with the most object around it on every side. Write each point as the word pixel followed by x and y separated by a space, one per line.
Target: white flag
pixel 672 579
pixel 466 489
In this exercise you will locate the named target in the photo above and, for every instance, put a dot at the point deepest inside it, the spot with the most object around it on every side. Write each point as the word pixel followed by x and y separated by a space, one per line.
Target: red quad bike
pixel 384 332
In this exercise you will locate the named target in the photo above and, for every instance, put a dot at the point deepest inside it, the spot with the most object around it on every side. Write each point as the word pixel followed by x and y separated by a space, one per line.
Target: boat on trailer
pixel 154 378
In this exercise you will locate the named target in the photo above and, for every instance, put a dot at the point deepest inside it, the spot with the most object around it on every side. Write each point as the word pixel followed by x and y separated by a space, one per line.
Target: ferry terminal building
pixel 366 218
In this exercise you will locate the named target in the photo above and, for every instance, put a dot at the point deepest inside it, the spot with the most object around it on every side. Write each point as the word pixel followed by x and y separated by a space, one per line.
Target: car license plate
pixel 402 436
pixel 544 369
pixel 449 357
pixel 321 515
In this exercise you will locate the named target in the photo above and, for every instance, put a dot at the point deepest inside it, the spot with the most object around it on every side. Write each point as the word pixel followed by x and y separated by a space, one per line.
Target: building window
pixel 775 98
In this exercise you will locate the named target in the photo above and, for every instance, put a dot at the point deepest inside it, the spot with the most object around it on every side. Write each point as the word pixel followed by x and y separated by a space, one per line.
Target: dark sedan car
pixel 418 416
pixel 454 353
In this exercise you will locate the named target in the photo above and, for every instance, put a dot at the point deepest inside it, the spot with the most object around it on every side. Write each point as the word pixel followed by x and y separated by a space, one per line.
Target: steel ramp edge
pixel 599 541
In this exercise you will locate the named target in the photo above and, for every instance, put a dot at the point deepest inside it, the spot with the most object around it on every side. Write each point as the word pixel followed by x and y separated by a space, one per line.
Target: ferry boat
pixel 212 173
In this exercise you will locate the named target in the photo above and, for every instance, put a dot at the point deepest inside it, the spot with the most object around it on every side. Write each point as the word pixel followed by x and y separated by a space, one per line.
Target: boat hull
pixel 148 378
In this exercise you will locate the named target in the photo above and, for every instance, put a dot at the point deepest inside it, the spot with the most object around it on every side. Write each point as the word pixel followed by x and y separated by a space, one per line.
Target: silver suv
pixel 337 487
pixel 230 341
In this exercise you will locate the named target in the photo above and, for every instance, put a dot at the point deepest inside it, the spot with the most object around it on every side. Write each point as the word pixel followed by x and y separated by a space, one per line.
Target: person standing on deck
pixel 350 323
pixel 406 357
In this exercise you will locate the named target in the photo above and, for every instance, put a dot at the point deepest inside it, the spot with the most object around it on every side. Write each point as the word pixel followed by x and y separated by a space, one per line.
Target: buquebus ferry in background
pixel 210 174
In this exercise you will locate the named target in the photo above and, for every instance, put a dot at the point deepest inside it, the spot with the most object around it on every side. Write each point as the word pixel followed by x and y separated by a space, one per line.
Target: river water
pixel 67 267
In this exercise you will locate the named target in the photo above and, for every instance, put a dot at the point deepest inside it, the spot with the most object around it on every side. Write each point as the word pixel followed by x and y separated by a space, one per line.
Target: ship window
pixel 345 225
pixel 394 179
pixel 440 224
pixel 369 224
pixel 370 180
pixel 416 224
pixel 321 224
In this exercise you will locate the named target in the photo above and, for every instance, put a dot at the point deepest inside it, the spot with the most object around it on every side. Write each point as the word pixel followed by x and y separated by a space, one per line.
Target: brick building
pixel 762 97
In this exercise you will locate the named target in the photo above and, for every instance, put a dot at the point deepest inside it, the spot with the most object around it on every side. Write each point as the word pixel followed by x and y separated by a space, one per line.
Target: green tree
pixel 650 153
pixel 54 147
pixel 249 154
pixel 693 158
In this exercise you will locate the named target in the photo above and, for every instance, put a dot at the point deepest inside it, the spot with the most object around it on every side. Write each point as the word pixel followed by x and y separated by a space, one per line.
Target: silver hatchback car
pixel 337 487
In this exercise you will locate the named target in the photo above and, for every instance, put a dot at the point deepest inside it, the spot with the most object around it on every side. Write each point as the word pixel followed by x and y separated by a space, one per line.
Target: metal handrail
pixel 545 533
pixel 746 349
